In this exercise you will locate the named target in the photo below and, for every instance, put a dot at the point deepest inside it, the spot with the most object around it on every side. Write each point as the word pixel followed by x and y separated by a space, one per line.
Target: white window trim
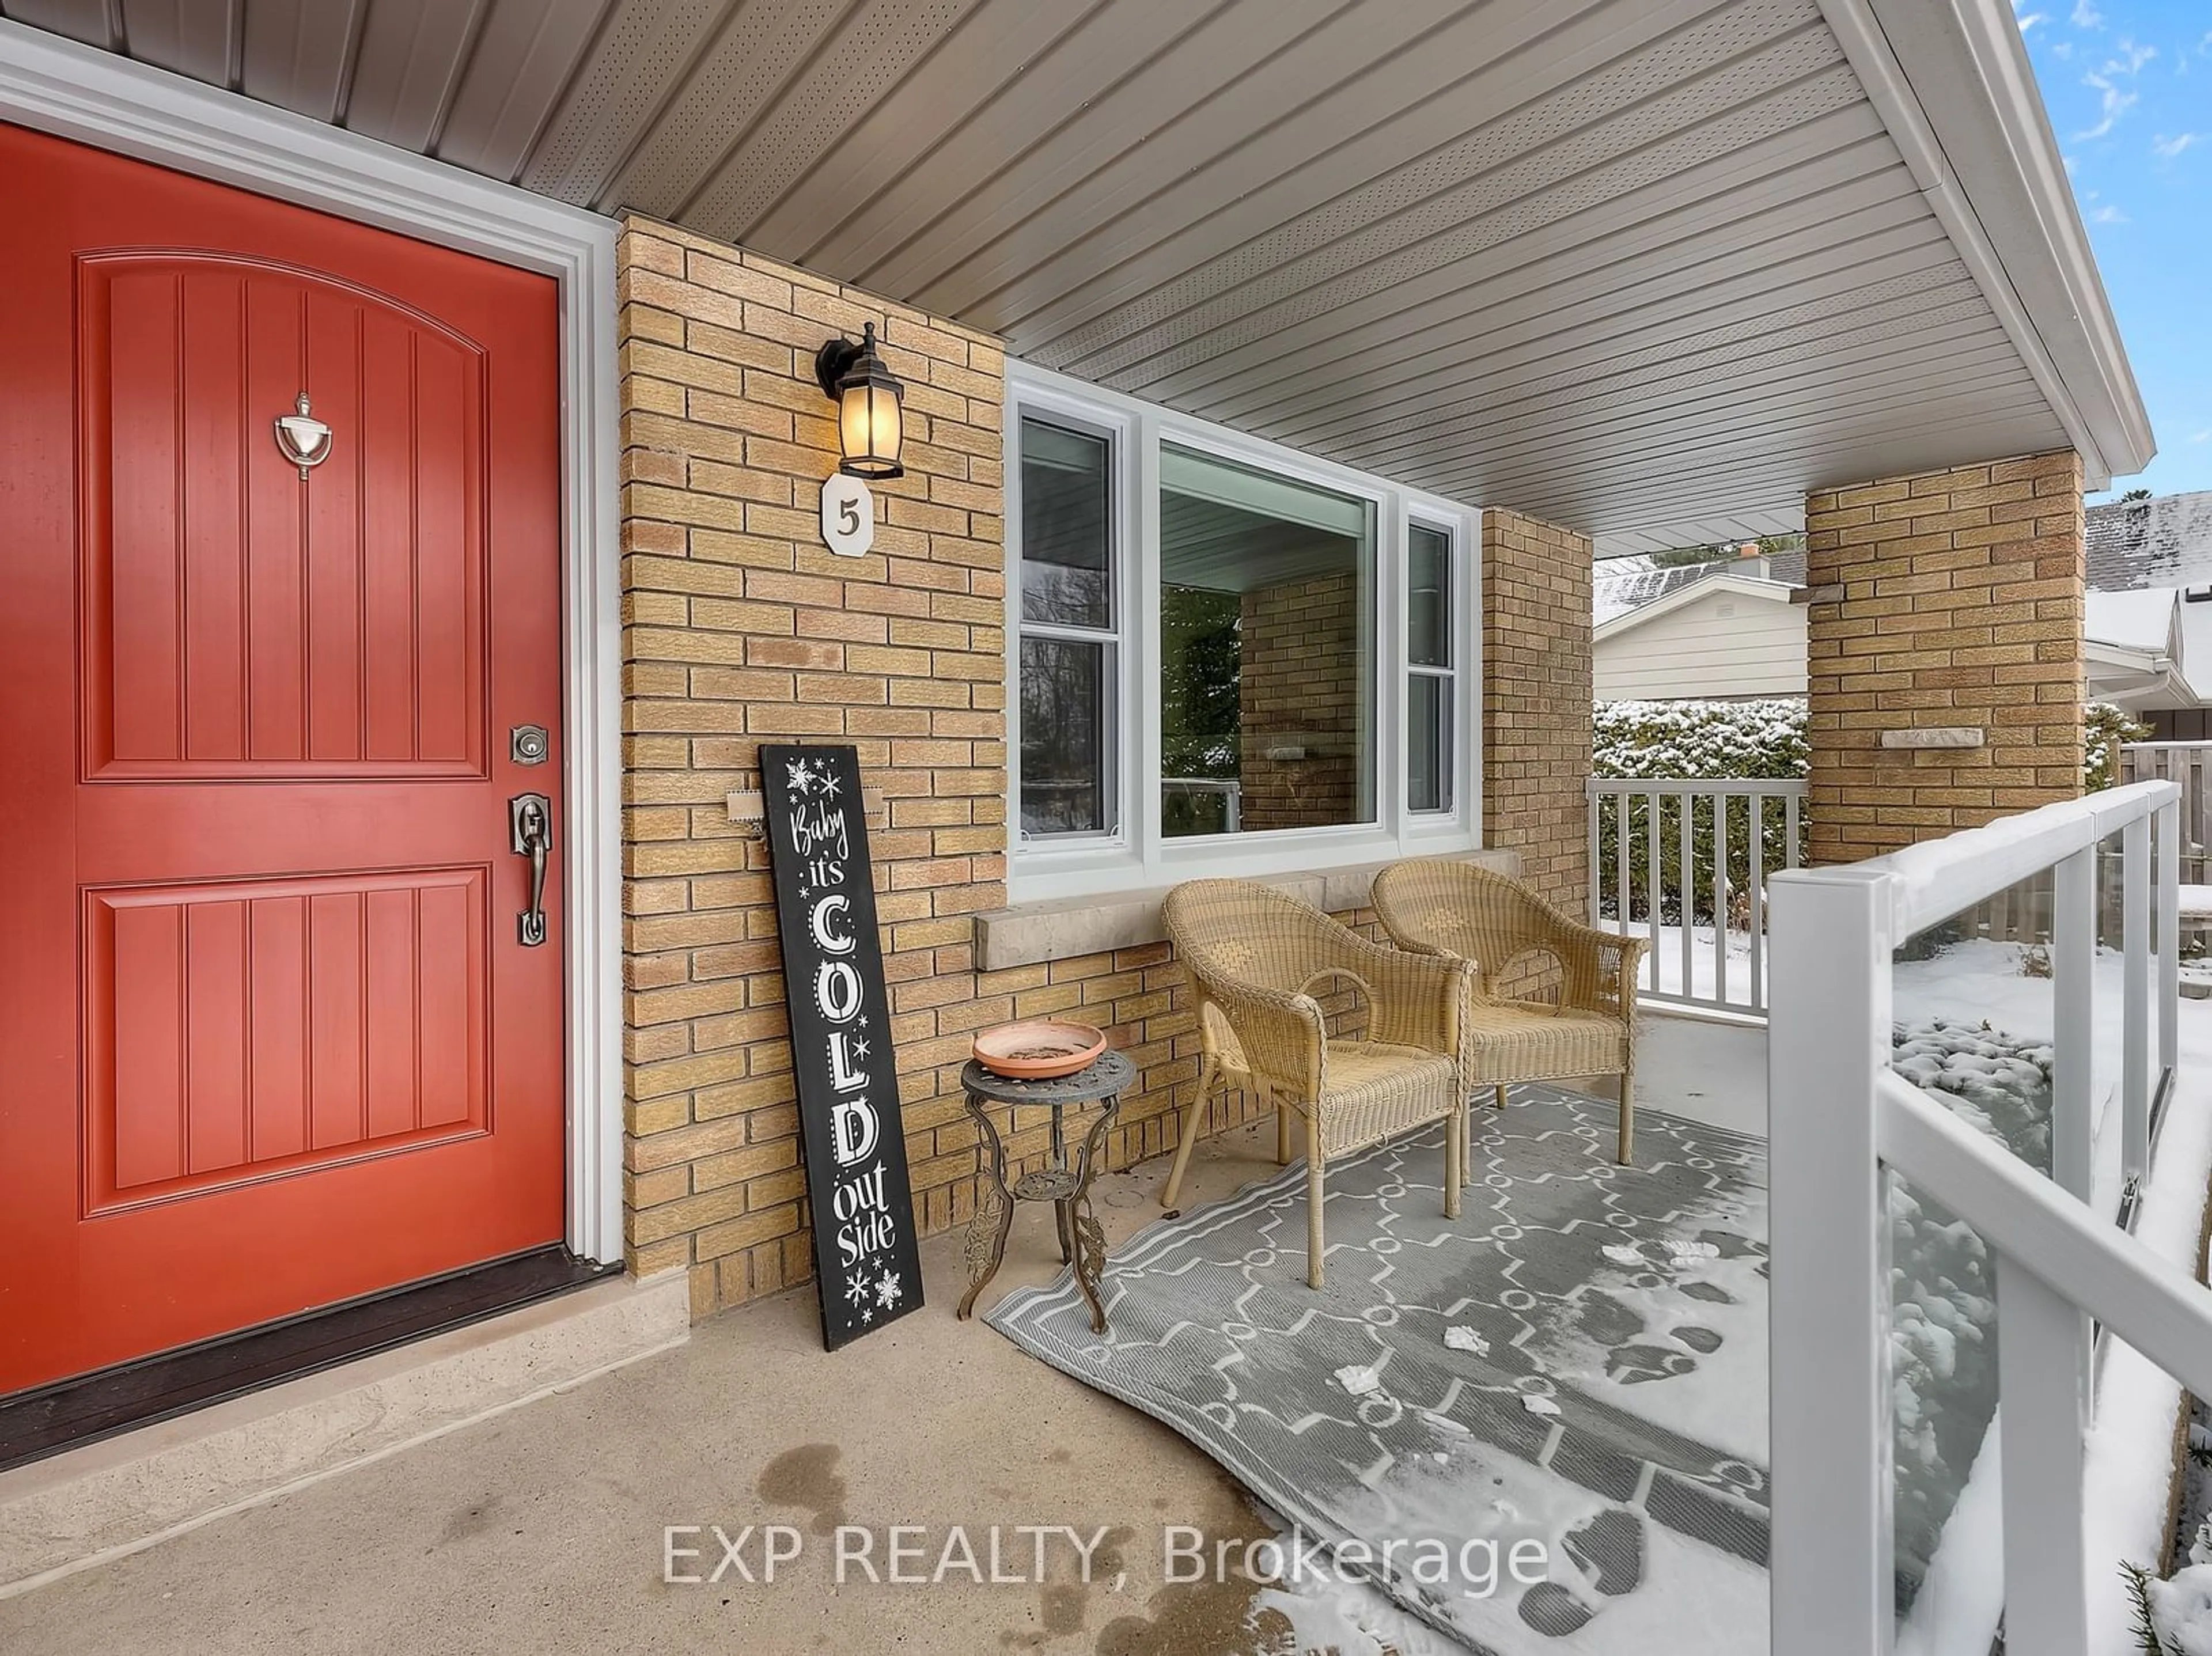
pixel 1139 856
pixel 1459 560
pixel 1120 436
pixel 73 91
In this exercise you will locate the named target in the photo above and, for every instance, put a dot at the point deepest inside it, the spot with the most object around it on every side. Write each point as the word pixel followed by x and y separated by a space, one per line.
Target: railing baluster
pixel 2042 1357
pixel 2134 1068
pixel 2073 987
pixel 1686 891
pixel 1720 900
pixel 1790 856
pixel 1620 860
pixel 1596 861
pixel 1757 875
pixel 2073 960
pixel 2169 938
pixel 1651 866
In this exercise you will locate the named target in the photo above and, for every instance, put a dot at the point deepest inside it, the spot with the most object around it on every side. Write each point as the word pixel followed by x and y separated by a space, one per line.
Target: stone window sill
pixel 1063 928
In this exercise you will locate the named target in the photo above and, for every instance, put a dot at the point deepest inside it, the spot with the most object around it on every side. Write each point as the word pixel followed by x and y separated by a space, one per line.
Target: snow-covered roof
pixel 2141 620
pixel 2149 648
pixel 2165 541
pixel 1623 584
pixel 1726 580
pixel 1612 595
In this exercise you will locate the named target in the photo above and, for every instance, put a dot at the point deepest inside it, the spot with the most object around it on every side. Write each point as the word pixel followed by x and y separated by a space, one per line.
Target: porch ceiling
pixel 1649 268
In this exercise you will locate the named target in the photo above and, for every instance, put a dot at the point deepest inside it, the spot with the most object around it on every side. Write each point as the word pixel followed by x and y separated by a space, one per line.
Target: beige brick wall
pixel 1536 700
pixel 741 628
pixel 1943 598
pixel 1298 686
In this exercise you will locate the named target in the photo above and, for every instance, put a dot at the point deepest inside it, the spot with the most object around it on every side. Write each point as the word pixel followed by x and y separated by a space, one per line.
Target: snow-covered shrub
pixel 1943 1311
pixel 1700 739
pixel 1996 1085
pixel 1696 740
pixel 2104 728
pixel 2173 1617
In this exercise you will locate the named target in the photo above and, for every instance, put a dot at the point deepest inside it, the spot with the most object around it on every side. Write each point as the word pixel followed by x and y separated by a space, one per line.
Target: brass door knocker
pixel 303 440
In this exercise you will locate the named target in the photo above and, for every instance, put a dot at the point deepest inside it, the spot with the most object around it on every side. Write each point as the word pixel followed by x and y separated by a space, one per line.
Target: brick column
pixel 1536 700
pixel 1946 601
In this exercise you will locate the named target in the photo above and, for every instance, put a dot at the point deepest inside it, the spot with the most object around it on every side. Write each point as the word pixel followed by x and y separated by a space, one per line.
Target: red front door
pixel 268 1036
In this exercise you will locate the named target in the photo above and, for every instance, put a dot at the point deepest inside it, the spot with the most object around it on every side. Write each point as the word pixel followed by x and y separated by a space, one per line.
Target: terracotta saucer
pixel 1039 1049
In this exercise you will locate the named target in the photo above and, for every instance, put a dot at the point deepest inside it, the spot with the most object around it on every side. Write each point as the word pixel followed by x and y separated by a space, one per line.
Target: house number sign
pixel 866 1269
pixel 848 516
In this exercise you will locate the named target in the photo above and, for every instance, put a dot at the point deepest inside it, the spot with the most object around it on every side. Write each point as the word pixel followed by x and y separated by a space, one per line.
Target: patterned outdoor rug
pixel 1579 1359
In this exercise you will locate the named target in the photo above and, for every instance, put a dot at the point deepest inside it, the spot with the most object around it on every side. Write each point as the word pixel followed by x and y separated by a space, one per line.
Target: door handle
pixel 530 821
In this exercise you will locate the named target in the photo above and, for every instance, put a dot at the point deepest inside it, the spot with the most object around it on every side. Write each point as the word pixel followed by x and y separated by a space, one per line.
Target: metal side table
pixel 1082 1243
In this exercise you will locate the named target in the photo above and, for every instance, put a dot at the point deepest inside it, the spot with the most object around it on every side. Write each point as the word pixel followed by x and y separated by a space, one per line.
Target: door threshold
pixel 69 1413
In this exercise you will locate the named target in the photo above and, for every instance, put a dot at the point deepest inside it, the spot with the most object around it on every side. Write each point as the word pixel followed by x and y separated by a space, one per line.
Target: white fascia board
pixel 1953 84
pixel 1750 586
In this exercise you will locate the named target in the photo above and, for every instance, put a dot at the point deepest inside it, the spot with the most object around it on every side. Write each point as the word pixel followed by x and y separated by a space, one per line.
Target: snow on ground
pixel 1725 977
pixel 2130 1449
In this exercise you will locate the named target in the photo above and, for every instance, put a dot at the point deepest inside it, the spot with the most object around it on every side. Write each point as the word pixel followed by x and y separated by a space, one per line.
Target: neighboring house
pixel 1725 631
pixel 2149 650
pixel 1734 629
pixel 2153 652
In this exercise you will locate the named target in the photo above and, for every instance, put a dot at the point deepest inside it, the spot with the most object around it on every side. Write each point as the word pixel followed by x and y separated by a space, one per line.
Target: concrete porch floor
pixel 542 1530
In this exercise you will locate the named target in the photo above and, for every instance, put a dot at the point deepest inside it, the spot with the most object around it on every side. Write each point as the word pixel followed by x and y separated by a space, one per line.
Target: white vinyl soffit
pixel 1650 268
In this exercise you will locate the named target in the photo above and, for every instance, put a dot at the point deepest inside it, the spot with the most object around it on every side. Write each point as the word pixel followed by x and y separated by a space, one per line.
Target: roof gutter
pixel 1989 167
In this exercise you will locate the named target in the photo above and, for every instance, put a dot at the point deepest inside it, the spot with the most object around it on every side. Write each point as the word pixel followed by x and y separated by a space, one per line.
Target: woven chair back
pixel 1240 932
pixel 1436 905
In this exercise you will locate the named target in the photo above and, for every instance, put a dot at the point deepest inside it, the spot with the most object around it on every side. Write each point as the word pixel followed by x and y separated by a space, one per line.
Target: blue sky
pixel 2129 85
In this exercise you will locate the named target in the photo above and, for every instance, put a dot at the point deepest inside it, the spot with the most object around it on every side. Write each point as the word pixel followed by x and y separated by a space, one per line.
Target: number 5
pixel 848 516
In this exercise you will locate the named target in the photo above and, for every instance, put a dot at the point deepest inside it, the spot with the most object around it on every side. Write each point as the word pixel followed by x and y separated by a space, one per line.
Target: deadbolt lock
pixel 527 744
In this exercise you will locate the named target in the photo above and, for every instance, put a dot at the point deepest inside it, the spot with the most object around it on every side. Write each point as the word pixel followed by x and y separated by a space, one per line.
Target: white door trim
pixel 73 91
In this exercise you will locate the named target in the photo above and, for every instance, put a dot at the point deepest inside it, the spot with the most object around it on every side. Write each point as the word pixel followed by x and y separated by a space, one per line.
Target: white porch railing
pixel 1843 1122
pixel 1675 848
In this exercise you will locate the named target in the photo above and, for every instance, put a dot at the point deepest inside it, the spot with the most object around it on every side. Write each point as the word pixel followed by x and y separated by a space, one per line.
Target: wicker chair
pixel 1433 906
pixel 1258 957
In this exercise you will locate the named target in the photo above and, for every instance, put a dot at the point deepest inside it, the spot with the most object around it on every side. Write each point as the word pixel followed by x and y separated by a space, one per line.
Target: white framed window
pixel 1433 628
pixel 1222 655
pixel 1068 616
pixel 1268 650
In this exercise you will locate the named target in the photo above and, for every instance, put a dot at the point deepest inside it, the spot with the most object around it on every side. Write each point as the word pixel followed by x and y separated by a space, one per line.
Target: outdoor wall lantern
pixel 868 395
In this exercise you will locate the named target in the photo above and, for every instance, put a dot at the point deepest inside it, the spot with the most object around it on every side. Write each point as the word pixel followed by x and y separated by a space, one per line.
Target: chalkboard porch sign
pixel 864 1264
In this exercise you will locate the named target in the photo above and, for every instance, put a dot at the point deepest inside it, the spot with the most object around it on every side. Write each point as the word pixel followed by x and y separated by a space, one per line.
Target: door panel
pixel 234 628
pixel 268 1038
pixel 244 1028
